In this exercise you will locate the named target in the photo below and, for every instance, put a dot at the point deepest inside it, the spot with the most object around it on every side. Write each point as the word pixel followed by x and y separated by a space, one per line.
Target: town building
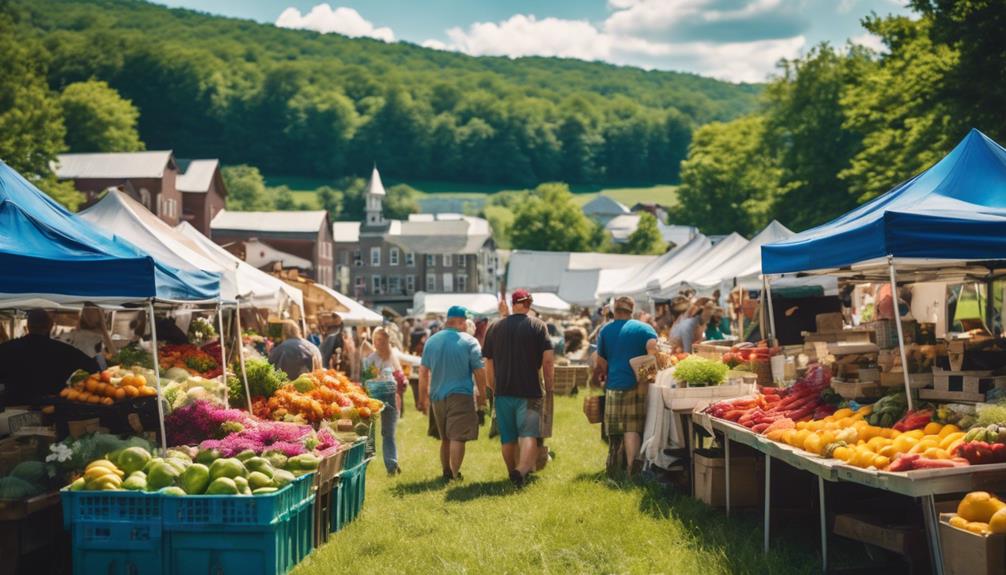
pixel 174 190
pixel 603 209
pixel 385 262
pixel 307 235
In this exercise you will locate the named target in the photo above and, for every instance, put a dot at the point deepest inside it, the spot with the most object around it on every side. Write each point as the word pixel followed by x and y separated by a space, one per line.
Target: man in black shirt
pixel 35 365
pixel 516 348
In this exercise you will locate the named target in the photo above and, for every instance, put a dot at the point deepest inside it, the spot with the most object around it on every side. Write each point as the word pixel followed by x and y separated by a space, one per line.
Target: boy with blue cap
pixel 450 359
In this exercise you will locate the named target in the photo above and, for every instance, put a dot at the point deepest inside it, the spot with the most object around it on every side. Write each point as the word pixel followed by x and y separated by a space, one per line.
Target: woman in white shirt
pixel 382 358
pixel 90 336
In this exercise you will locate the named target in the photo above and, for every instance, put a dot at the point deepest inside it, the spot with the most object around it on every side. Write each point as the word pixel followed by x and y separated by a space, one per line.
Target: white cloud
pixel 869 40
pixel 342 20
pixel 642 33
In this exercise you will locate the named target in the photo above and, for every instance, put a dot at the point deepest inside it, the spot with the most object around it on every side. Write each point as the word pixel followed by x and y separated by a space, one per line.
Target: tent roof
pixel 252 285
pixel 545 271
pixel 266 222
pixel 953 212
pixel 710 262
pixel 358 313
pixel 654 275
pixel 62 258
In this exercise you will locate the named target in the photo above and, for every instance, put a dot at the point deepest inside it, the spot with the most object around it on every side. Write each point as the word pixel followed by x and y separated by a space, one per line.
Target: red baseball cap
pixel 520 296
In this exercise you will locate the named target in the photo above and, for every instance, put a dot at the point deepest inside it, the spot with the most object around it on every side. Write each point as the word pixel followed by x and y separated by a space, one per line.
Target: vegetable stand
pixel 923 485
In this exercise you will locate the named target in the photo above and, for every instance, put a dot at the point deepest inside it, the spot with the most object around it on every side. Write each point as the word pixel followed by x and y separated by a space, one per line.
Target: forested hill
pixel 297 102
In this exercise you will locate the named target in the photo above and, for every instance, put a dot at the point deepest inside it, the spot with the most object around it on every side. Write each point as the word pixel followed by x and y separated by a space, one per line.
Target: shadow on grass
pixel 472 491
pixel 401 490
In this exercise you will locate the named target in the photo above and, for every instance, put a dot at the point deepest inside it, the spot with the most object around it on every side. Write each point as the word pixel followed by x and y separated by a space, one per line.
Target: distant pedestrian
pixel 625 400
pixel 384 360
pixel 451 358
pixel 518 347
pixel 295 355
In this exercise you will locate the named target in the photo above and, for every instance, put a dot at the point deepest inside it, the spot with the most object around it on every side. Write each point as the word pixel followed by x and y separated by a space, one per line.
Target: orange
pixel 959 522
pixel 131 391
pixel 998 522
pixel 120 394
pixel 94 399
pixel 948 429
pixel 107 401
pixel 932 428
pixel 979 506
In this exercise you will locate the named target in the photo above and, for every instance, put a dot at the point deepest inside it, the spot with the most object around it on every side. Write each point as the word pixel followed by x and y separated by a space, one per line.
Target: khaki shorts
pixel 625 411
pixel 456 418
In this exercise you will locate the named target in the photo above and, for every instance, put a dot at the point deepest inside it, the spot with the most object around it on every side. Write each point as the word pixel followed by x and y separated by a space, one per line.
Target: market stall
pixel 650 276
pixel 947 225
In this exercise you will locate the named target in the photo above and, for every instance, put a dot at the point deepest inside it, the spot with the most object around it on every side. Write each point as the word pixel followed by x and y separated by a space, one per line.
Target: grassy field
pixel 570 519
pixel 454 196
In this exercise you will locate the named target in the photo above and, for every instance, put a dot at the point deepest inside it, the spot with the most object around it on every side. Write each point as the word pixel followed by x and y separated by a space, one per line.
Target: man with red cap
pixel 517 348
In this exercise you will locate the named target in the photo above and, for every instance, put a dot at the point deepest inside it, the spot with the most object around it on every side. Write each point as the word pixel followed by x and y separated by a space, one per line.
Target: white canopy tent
pixel 710 262
pixel 651 276
pixel 584 287
pixel 357 314
pixel 253 286
pixel 548 303
pixel 744 266
pixel 424 304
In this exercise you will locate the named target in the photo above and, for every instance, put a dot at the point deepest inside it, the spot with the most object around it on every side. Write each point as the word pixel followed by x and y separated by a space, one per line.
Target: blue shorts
pixel 517 417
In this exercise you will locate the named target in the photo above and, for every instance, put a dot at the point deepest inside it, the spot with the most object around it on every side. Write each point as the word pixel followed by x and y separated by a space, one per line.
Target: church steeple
pixel 375 200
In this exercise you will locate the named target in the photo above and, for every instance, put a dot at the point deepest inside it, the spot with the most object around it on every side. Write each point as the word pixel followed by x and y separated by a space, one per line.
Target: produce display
pixel 180 473
pixel 801 402
pixel 190 358
pixel 27 479
pixel 189 388
pixel 111 385
pixel 263 380
pixel 980 512
pixel 317 396
pixel 744 356
pixel 697 371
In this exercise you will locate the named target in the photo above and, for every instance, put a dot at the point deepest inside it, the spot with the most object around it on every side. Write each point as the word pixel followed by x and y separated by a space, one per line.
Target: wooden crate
pixel 897 379
pixel 967 386
pixel 856 390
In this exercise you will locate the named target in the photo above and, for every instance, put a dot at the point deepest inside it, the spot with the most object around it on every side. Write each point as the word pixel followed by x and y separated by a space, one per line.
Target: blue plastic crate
pixel 355 454
pixel 105 506
pixel 348 495
pixel 127 548
pixel 207 511
pixel 300 532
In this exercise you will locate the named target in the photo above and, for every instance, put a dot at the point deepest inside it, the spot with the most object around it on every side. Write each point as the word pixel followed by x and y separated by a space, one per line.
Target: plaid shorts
pixel 625 411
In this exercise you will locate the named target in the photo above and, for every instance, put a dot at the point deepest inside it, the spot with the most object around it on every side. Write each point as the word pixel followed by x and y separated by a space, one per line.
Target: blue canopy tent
pixel 947 223
pixel 52 254
pixel 954 212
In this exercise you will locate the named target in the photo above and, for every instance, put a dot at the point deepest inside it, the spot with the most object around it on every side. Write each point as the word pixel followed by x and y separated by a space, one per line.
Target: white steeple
pixel 375 199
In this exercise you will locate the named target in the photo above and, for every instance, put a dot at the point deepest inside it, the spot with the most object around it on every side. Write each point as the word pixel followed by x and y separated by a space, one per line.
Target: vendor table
pixel 923 484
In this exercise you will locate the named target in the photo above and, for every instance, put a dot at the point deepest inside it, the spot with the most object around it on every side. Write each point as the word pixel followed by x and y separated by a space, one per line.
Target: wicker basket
pixel 593 408
pixel 569 377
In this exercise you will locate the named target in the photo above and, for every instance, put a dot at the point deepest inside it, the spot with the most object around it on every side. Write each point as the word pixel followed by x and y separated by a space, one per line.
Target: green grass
pixel 570 519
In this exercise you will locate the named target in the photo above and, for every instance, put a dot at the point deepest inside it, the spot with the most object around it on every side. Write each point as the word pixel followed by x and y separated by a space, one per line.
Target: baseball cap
pixel 457 311
pixel 625 303
pixel 520 296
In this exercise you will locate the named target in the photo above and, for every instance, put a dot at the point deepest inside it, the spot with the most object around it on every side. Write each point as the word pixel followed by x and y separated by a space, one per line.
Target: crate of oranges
pixel 110 386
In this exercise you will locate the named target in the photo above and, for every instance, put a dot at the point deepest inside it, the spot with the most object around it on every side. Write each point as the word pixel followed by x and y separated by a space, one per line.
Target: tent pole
pixel 901 334
pixel 241 353
pixel 157 375
pixel 223 349
pixel 771 310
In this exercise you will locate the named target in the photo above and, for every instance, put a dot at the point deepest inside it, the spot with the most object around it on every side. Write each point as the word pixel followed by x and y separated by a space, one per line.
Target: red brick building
pixel 203 192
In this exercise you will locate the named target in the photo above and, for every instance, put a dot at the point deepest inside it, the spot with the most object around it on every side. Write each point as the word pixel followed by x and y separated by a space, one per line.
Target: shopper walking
pixel 384 361
pixel 625 400
pixel 451 358
pixel 518 348
pixel 295 355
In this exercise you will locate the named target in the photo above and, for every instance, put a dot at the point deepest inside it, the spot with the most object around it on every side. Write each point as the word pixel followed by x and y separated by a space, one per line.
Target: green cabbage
pixel 698 371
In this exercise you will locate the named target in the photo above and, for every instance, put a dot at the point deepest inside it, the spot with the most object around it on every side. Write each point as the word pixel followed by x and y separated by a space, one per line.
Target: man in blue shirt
pixel 625 401
pixel 450 359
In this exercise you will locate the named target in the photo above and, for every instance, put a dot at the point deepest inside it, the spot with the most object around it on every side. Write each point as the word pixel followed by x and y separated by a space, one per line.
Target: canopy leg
pixel 768 499
pixel 901 334
pixel 241 354
pixel 223 349
pixel 771 310
pixel 157 375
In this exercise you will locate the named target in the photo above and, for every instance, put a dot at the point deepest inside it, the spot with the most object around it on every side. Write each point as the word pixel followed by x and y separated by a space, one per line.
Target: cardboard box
pixel 966 553
pixel 829 322
pixel 884 532
pixel 747 478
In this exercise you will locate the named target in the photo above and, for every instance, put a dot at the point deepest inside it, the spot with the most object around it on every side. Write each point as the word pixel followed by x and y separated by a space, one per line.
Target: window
pixel 410 259
pixel 360 282
pixel 375 284
pixel 357 259
pixel 344 257
pixel 431 282
pixel 410 284
pixel 430 261
pixel 392 256
pixel 145 197
pixel 375 256
pixel 462 282
pixel 447 260
pixel 448 282
pixel 394 284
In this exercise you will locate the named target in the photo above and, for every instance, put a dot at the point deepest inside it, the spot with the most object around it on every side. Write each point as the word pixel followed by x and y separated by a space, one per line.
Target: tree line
pixel 838 127
pixel 300 103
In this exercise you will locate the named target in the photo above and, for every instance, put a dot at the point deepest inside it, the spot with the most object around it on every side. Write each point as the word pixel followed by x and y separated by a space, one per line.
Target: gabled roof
pixel 374 186
pixel 113 165
pixel 346 232
pixel 259 254
pixel 277 221
pixel 443 234
pixel 602 205
pixel 196 175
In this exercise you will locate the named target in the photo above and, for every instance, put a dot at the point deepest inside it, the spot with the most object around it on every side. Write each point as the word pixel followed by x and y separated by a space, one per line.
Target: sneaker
pixel 517 479
pixel 447 476
pixel 459 477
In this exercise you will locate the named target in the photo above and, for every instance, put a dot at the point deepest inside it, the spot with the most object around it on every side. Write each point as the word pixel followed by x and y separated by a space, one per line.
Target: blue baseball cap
pixel 457 311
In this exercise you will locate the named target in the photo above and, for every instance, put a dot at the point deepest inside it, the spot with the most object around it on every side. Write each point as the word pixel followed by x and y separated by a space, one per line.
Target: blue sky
pixel 738 40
